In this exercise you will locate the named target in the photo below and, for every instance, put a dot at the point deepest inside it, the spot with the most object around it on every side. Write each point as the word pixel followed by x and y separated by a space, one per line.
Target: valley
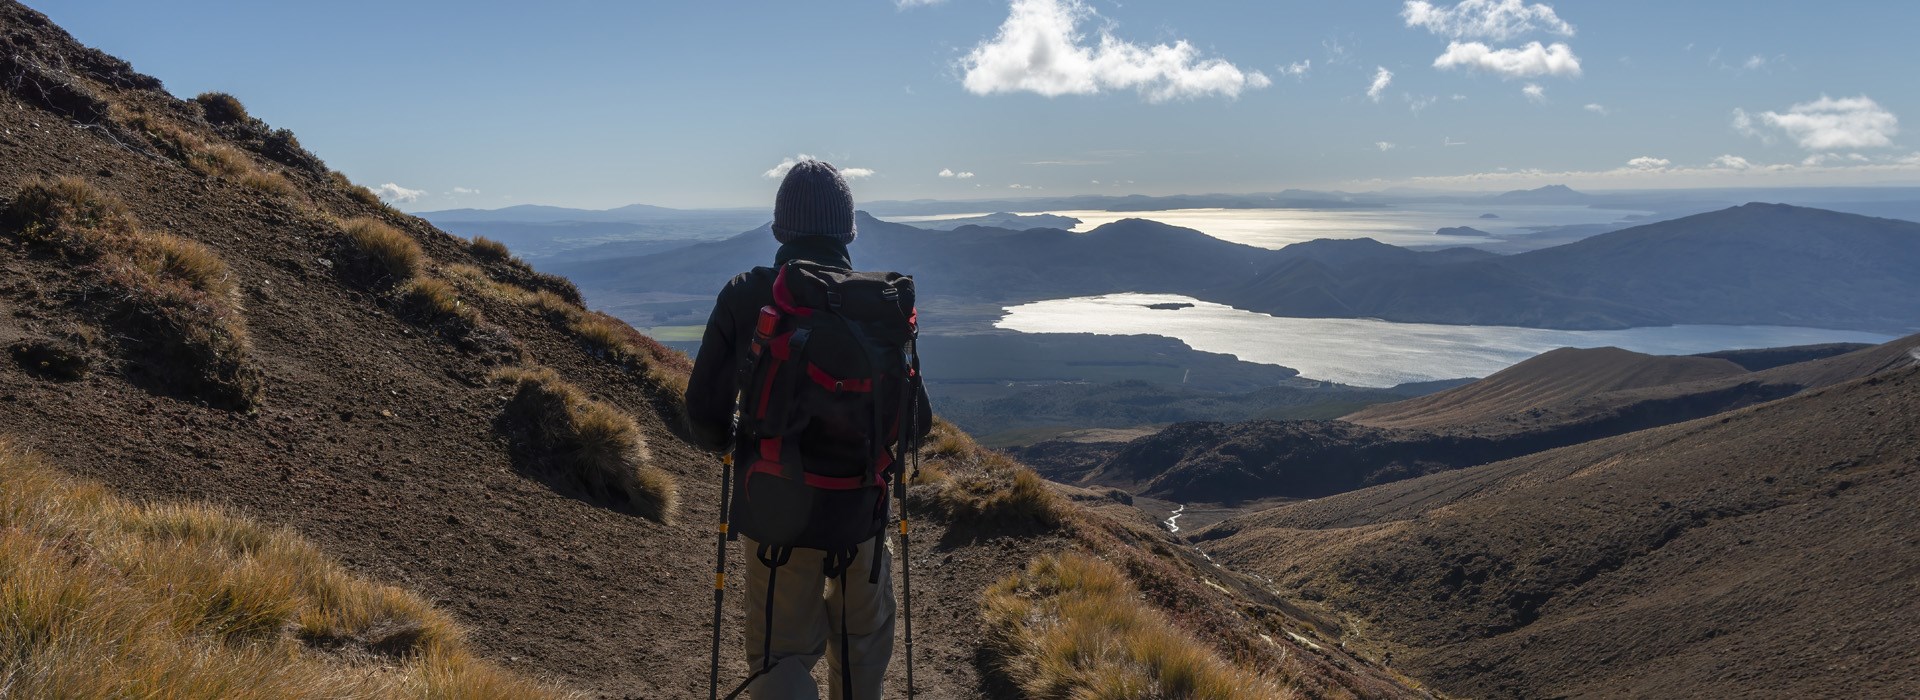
pixel 267 432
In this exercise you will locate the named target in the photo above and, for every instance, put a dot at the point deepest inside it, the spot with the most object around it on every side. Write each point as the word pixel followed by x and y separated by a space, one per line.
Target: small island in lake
pixel 1170 305
pixel 1489 215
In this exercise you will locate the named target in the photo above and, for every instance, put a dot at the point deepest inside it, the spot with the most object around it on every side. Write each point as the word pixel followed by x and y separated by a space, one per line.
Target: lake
pixel 1374 353
pixel 1405 225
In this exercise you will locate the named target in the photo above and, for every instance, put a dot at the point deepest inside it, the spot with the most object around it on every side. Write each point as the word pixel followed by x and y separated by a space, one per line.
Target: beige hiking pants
pixel 806 623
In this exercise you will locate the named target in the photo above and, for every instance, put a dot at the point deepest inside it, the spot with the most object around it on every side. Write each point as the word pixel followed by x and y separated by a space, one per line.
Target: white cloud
pixel 906 4
pixel 1825 124
pixel 1040 49
pixel 1731 162
pixel 1448 141
pixel 1648 163
pixel 1498 20
pixel 1381 79
pixel 1418 104
pixel 780 170
pixel 1598 108
pixel 1755 62
pixel 1384 146
pixel 1534 93
pixel 948 172
pixel 457 190
pixel 1531 60
pixel 1297 69
pixel 393 192
pixel 1017 186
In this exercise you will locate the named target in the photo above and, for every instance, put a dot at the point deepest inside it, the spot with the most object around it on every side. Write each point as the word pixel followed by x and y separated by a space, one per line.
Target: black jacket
pixel 712 388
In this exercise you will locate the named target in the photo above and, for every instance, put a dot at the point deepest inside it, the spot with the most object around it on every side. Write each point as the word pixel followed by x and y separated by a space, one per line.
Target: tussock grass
pixel 381 254
pixel 222 108
pixel 605 336
pixel 489 250
pixel 435 302
pixel 266 182
pixel 984 487
pixel 358 193
pixel 177 296
pixel 109 598
pixel 220 160
pixel 1071 627
pixel 211 159
pixel 586 444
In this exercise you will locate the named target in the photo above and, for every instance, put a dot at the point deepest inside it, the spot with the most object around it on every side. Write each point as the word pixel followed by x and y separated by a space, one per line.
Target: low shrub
pixel 380 254
pixel 587 445
pixel 110 598
pixel 1070 627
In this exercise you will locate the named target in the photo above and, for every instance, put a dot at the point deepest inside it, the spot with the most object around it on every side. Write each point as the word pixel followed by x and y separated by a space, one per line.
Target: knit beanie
pixel 813 201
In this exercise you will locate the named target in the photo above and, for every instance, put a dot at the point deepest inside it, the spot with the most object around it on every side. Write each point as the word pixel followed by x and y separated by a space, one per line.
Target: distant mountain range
pixel 1006 220
pixel 1551 194
pixel 1758 264
pixel 542 214
pixel 1770 264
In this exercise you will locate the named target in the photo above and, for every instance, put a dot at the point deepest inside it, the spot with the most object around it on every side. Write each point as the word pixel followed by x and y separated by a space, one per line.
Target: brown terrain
pixel 1559 398
pixel 363 409
pixel 1552 377
pixel 1767 552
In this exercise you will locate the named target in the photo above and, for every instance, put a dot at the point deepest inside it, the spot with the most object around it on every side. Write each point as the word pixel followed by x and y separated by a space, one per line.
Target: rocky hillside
pixel 196 308
pixel 1765 552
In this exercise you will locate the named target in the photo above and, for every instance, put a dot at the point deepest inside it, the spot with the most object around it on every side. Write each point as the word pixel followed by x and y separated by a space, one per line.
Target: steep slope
pixel 1753 264
pixel 1764 552
pixel 1549 378
pixel 435 415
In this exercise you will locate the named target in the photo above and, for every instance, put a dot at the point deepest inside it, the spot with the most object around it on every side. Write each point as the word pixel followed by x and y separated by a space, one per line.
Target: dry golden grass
pixel 590 445
pixel 220 160
pixel 489 250
pixel 1071 627
pixel 435 302
pixel 109 598
pixel 382 254
pixel 178 295
pixel 985 487
pixel 266 182
pixel 605 336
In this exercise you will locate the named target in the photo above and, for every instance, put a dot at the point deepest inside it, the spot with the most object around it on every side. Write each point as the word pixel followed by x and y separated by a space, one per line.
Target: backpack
pixel 828 382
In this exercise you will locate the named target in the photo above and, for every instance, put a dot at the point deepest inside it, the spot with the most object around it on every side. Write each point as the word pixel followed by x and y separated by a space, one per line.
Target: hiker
pixel 813 449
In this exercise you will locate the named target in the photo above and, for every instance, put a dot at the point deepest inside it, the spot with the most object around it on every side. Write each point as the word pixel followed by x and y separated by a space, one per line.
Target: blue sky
pixel 691 104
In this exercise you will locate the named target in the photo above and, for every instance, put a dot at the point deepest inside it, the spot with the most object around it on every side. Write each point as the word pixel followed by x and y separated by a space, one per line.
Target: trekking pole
pixel 720 573
pixel 909 441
